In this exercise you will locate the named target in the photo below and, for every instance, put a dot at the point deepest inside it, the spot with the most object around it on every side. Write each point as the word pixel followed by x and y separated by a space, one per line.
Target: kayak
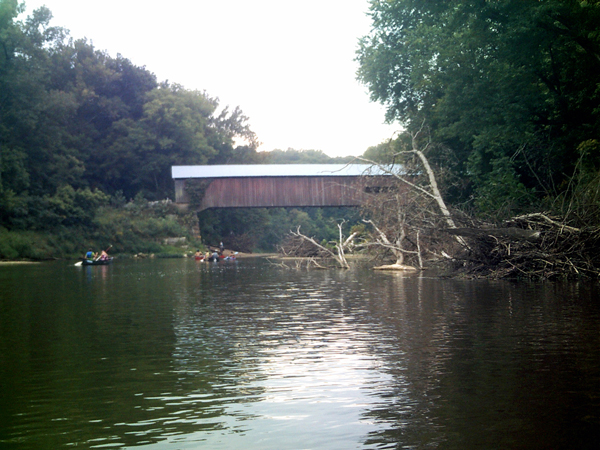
pixel 98 262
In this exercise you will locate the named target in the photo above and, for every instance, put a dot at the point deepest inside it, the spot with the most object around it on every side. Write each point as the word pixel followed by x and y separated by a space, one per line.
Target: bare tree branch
pixel 340 246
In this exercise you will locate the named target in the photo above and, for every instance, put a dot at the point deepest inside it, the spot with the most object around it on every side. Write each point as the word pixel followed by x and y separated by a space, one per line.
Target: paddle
pixel 104 252
pixel 79 263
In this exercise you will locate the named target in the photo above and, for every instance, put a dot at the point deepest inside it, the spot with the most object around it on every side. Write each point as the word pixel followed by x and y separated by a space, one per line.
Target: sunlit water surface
pixel 177 354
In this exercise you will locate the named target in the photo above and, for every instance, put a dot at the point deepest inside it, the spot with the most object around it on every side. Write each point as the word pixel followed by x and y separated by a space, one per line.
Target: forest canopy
pixel 76 120
pixel 508 90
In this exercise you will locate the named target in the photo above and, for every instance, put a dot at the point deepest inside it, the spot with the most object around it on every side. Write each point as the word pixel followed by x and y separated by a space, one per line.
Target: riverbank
pixel 128 230
pixel 10 263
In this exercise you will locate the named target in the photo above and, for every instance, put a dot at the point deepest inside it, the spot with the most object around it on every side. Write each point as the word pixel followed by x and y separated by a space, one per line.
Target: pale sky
pixel 289 65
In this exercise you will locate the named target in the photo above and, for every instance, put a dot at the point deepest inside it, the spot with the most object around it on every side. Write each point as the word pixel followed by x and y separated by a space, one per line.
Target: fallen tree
pixel 563 242
pixel 534 246
pixel 405 218
pixel 410 227
pixel 301 245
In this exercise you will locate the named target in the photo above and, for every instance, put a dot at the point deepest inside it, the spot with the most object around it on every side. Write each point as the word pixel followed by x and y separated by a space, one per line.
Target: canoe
pixel 99 262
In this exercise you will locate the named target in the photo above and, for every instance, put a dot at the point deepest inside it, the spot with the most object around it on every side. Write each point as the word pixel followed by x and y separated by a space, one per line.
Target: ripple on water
pixel 177 355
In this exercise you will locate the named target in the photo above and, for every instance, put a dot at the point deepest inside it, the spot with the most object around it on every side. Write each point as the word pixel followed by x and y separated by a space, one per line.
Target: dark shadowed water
pixel 175 354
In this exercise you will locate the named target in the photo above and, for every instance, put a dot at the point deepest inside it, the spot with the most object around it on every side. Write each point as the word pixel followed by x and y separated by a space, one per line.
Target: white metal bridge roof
pixel 274 170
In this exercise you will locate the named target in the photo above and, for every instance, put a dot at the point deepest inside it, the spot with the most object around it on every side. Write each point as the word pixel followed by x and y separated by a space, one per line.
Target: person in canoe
pixel 199 256
pixel 93 259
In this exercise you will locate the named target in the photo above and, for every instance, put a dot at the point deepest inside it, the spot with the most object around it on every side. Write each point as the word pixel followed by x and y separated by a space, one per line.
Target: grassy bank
pixel 130 229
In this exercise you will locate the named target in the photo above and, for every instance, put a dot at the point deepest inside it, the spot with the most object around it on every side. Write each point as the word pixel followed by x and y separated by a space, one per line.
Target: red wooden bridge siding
pixel 278 186
pixel 283 192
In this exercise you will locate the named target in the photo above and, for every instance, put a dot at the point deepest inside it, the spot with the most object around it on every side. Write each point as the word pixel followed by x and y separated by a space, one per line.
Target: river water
pixel 176 354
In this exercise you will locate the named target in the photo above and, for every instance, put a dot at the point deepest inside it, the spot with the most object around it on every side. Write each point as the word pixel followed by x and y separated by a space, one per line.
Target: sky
pixel 289 65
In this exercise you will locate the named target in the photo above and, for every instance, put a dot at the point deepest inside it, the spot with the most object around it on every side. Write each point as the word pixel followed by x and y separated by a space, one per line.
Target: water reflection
pixel 484 373
pixel 183 355
pixel 288 348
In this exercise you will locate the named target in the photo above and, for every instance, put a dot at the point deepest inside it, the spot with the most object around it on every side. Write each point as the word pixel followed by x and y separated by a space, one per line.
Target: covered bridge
pixel 275 185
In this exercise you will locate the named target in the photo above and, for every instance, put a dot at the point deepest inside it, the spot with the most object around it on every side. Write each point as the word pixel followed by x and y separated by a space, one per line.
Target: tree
pixel 511 87
pixel 411 206
pixel 102 91
pixel 177 127
pixel 292 156
pixel 75 117
pixel 23 103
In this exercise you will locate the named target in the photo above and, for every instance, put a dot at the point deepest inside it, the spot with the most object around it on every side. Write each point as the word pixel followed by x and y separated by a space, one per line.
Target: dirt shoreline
pixel 6 263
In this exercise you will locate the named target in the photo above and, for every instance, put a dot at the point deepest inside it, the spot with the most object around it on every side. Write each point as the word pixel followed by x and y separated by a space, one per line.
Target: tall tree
pixel 103 91
pixel 23 100
pixel 177 127
pixel 74 118
pixel 511 86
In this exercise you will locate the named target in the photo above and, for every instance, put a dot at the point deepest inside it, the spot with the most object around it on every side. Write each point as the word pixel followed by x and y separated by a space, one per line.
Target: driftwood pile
pixel 534 246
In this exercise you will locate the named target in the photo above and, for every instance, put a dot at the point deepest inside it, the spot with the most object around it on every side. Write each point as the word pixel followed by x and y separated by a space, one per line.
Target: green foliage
pixel 382 153
pixel 66 207
pixel 176 127
pixel 131 229
pixel 195 190
pixel 82 133
pixel 291 156
pixel 579 199
pixel 11 204
pixel 261 229
pixel 589 155
pixel 388 152
pixel 512 83
pixel 501 194
pixel 74 118
pixel 118 199
pixel 18 245
pixel 138 228
pixel 157 227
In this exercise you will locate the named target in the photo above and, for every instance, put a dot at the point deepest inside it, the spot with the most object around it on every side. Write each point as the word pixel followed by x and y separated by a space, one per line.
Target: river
pixel 172 354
